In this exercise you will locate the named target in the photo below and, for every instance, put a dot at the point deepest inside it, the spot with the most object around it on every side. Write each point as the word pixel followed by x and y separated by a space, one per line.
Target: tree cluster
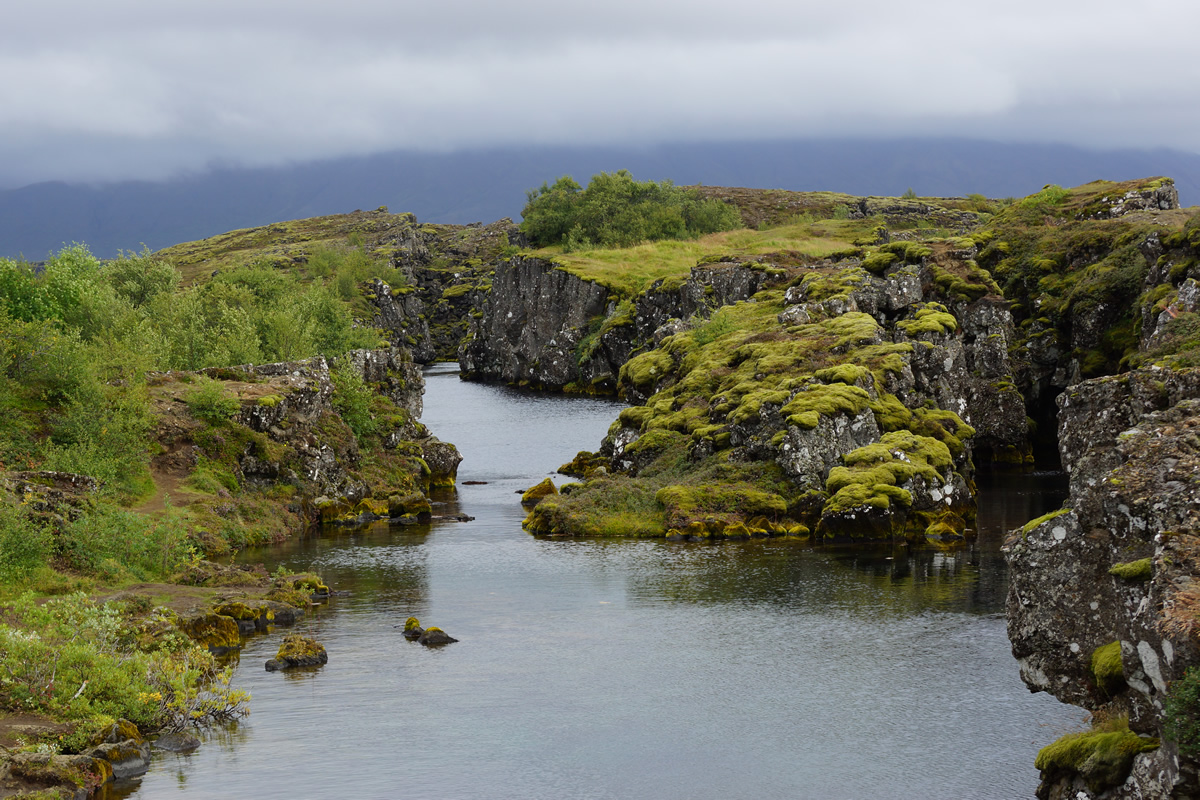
pixel 617 211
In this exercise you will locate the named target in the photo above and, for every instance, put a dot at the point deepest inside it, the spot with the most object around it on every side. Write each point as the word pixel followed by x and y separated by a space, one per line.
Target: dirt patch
pixel 17 730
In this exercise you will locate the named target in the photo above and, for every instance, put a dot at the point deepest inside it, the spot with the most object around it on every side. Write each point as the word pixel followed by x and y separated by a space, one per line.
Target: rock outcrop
pixel 298 651
pixel 1115 572
pixel 289 430
pixel 862 383
pixel 543 326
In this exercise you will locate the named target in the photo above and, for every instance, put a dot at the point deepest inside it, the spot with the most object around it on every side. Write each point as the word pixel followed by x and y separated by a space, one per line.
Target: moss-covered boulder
pixel 66 776
pixel 298 651
pixel 435 637
pixel 249 618
pixel 1101 757
pixel 535 494
pixel 218 633
pixel 442 459
pixel 411 507
pixel 412 629
pixel 311 583
pixel 127 758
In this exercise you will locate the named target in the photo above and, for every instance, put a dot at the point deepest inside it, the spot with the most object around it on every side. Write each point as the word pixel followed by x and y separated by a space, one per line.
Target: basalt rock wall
pixel 542 326
pixel 1117 565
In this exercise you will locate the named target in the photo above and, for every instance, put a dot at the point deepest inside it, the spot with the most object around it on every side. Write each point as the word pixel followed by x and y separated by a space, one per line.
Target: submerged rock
pixel 177 742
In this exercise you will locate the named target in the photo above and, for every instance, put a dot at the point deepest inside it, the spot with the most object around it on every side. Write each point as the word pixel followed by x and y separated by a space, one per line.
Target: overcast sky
pixel 125 88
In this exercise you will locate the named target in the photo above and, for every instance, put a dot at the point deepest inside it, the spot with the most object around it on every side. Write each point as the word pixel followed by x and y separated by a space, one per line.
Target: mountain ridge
pixel 486 185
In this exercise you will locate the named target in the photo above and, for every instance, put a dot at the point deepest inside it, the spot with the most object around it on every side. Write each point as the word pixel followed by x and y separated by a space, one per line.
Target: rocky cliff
pixel 543 326
pixel 840 399
pixel 1103 596
pixel 1102 605
pixel 300 442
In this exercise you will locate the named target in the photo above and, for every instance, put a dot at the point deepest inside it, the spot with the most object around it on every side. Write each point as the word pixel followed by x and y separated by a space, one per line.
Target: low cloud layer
pixel 135 89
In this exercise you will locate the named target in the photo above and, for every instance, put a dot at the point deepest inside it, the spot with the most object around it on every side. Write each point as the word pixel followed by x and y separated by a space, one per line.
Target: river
pixel 629 669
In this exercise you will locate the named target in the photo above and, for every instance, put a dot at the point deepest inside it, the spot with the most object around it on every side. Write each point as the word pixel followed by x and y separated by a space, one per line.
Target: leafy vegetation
pixel 1183 713
pixel 73 659
pixel 617 211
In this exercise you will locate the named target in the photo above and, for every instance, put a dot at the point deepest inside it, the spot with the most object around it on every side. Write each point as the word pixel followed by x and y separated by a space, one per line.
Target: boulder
pixel 298 651
pixel 435 637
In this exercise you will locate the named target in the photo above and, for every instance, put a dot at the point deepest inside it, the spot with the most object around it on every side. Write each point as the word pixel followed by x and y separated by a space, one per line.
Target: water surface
pixel 630 669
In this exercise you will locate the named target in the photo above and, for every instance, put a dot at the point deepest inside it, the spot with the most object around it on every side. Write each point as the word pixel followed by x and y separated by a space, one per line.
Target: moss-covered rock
pixel 535 494
pixel 218 633
pixel 1102 757
pixel 435 637
pixel 298 651
pixel 1107 668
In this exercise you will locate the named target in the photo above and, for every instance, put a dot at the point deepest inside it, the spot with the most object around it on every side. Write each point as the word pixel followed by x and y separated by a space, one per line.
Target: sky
pixel 131 89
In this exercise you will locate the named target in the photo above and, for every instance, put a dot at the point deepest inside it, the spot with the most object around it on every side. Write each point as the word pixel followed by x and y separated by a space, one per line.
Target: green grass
pixel 629 271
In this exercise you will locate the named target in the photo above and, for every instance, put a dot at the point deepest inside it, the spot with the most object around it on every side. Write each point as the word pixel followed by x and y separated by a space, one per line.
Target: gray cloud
pixel 135 89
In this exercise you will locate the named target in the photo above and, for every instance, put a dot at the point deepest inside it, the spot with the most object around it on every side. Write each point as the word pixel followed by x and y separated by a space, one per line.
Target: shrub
pixel 617 211
pixel 24 545
pixel 352 398
pixel 115 544
pixel 73 659
pixel 210 402
pixel 1183 713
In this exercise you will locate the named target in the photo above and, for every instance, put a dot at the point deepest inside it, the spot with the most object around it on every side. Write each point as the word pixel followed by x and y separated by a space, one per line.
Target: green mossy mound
pixel 1138 571
pixel 216 632
pixel 298 651
pixel 536 494
pixel 585 464
pixel 1102 756
pixel 1107 668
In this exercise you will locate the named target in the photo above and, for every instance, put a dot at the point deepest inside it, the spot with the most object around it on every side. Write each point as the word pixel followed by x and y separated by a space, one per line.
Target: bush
pixel 352 398
pixel 24 545
pixel 210 402
pixel 617 211
pixel 73 659
pixel 1183 713
pixel 116 544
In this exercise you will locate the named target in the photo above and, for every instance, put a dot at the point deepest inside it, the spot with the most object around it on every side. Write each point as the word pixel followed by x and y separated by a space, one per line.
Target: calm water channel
pixel 630 669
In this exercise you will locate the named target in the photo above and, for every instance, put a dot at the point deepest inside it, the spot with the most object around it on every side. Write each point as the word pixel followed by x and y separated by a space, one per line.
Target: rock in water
pixel 298 651
pixel 435 637
pixel 535 494
pixel 412 629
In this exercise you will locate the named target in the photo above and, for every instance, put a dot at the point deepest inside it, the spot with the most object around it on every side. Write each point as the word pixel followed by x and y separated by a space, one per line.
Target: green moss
pixel 930 318
pixel 458 290
pixel 816 400
pixel 535 494
pixel 645 370
pixel 850 374
pixel 1028 527
pixel 877 262
pixel 1141 570
pixel 299 649
pixel 1102 756
pixel 1107 668
pixel 726 503
pixel 269 400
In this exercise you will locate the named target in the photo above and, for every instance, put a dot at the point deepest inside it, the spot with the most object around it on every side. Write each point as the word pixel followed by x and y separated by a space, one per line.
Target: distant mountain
pixel 485 185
